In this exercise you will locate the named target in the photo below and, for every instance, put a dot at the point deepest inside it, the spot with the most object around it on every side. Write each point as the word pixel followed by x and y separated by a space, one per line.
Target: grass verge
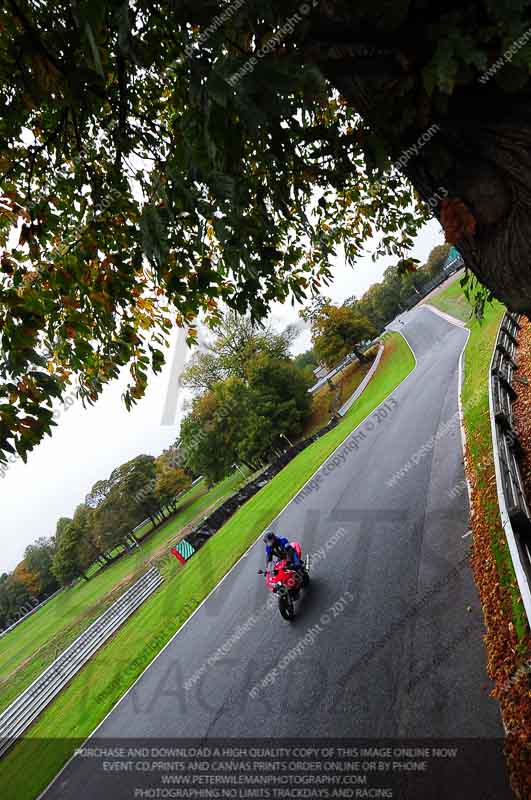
pixel 452 301
pixel 32 763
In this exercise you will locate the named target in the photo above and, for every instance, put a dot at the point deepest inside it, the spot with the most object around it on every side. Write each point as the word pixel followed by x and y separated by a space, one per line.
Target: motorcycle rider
pixel 280 547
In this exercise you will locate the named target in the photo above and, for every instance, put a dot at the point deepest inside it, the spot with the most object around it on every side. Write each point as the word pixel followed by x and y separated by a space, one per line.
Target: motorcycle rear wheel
pixel 286 608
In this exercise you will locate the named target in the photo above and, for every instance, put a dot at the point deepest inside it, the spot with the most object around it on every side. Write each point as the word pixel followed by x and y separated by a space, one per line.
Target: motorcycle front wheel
pixel 286 608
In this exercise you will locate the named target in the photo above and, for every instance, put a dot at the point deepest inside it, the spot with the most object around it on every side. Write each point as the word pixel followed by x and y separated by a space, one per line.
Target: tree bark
pixel 479 155
pixel 492 175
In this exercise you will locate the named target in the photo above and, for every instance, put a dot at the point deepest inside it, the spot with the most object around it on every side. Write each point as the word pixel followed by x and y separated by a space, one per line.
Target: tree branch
pixel 35 38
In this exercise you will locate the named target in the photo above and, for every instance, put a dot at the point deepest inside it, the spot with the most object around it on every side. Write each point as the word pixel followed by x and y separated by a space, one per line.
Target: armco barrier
pixel 514 511
pixel 338 368
pixel 26 708
pixel 361 388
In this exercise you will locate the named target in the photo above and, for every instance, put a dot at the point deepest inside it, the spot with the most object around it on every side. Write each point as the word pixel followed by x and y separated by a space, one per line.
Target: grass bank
pixel 475 402
pixel 451 299
pixel 507 640
pixel 27 650
pixel 32 763
pixel 325 399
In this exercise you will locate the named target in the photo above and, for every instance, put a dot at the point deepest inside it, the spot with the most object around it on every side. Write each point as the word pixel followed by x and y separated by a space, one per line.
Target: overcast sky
pixel 88 443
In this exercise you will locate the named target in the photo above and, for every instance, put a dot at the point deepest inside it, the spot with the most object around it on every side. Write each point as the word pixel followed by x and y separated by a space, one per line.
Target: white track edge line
pixel 461 381
pixel 461 377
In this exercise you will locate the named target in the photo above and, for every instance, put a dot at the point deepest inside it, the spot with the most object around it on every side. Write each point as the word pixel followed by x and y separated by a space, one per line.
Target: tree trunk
pixel 492 175
pixel 479 155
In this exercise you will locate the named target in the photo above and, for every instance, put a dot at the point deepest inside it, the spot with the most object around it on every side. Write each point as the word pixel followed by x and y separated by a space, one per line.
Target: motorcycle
pixel 286 583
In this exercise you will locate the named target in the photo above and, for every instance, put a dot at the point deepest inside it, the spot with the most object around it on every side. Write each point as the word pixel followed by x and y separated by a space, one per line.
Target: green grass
pixel 33 762
pixel 452 301
pixel 475 401
pixel 33 645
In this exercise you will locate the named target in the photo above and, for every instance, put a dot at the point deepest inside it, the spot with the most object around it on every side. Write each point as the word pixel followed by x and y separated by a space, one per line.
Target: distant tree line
pixel 383 301
pixel 338 330
pixel 143 488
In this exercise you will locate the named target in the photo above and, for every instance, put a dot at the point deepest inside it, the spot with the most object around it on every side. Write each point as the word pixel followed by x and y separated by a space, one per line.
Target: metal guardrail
pixel 338 368
pixel 514 510
pixel 453 265
pixel 361 388
pixel 26 708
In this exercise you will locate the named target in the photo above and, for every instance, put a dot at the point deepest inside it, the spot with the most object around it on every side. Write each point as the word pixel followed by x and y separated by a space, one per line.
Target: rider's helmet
pixel 270 537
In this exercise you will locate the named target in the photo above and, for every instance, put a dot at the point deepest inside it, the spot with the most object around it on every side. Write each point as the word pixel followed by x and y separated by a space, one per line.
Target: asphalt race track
pixel 399 656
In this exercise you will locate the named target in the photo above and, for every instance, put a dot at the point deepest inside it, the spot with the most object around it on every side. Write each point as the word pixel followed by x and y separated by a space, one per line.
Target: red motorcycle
pixel 286 582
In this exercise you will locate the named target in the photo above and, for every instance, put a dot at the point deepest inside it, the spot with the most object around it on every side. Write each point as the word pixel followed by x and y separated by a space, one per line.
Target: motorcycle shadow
pixel 308 600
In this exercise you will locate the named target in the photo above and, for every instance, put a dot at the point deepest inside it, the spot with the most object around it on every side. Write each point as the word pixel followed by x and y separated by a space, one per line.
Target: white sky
pixel 88 443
